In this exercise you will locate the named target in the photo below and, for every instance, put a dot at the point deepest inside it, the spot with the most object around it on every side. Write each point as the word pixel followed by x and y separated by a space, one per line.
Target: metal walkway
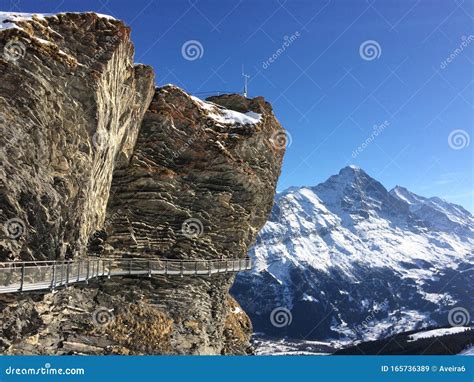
pixel 38 275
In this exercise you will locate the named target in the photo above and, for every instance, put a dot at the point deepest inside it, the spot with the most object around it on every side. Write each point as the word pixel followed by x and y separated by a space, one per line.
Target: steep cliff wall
pixel 95 160
pixel 201 181
pixel 200 185
pixel 71 103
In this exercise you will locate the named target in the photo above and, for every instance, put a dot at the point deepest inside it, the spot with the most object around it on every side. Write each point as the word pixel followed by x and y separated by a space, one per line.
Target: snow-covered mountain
pixel 349 260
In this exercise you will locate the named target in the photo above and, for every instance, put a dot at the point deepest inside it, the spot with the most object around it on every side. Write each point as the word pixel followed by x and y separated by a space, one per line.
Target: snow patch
pixel 226 116
pixel 437 333
pixel 237 310
pixel 307 297
pixel 8 19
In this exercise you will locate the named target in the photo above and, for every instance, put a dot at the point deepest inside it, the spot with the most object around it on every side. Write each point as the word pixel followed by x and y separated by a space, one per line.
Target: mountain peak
pixel 351 168
pixel 350 229
pixel 399 188
pixel 354 191
pixel 350 175
pixel 435 211
pixel 405 195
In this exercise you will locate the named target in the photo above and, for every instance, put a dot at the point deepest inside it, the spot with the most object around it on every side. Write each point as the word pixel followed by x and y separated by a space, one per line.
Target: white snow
pixel 287 347
pixel 307 297
pixel 8 19
pixel 226 116
pixel 325 235
pixel 349 223
pixel 440 212
pixel 438 333
pixel 237 310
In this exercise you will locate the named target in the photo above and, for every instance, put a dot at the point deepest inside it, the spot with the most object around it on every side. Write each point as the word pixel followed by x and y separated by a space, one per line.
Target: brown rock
pixel 193 180
pixel 71 102
pixel 196 187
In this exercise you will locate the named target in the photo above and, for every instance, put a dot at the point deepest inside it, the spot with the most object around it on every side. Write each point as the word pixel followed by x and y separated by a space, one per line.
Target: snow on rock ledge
pixel 12 19
pixel 225 116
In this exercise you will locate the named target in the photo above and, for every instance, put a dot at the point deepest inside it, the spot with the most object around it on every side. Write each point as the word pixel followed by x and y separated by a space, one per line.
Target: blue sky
pixel 327 91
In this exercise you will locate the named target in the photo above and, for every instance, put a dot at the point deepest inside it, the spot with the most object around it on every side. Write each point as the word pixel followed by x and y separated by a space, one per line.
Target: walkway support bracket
pixel 22 277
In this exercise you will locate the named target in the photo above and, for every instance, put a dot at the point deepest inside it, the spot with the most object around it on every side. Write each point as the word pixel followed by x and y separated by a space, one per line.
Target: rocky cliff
pixel 200 181
pixel 96 162
pixel 71 104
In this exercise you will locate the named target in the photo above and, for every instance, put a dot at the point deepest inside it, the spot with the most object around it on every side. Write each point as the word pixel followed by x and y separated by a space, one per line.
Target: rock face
pixel 95 160
pixel 200 182
pixel 71 103
pixel 199 186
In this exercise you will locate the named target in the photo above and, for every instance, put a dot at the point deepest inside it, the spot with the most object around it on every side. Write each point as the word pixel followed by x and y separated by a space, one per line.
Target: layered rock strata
pixel 71 103
pixel 95 161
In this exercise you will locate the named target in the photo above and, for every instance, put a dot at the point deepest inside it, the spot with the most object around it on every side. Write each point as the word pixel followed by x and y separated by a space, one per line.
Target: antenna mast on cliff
pixel 246 78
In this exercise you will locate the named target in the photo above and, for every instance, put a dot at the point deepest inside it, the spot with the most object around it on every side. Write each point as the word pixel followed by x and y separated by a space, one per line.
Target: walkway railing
pixel 37 275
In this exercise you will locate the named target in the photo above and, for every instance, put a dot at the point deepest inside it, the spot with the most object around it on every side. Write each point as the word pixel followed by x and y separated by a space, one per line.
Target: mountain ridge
pixel 335 253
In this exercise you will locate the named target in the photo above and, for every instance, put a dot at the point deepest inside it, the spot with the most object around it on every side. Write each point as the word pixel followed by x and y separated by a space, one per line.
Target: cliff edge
pixel 97 162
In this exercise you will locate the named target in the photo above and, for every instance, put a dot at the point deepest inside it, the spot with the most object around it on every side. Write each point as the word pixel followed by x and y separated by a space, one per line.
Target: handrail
pixel 135 259
pixel 20 276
